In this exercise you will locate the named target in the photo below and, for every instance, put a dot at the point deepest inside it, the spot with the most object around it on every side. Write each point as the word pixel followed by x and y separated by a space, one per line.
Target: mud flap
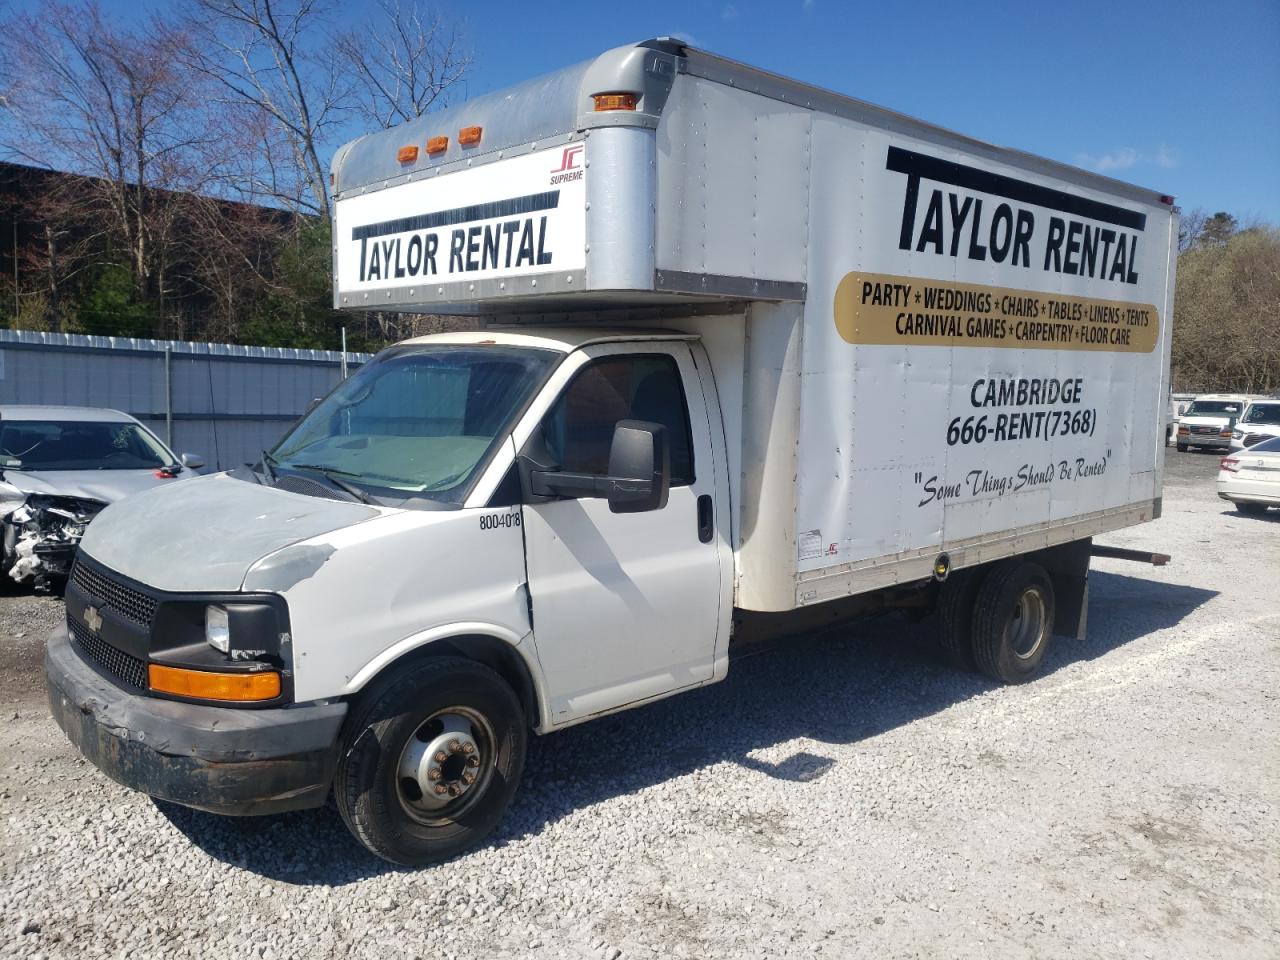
pixel 1068 565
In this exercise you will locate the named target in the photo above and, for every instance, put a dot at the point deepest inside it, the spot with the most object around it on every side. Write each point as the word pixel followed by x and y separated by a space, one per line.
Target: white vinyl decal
pixel 517 217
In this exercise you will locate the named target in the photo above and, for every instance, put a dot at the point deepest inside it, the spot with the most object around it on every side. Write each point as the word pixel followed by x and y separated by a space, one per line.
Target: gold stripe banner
pixel 879 308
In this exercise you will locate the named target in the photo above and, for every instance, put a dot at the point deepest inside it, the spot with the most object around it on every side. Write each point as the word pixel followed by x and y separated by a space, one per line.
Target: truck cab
pixel 448 497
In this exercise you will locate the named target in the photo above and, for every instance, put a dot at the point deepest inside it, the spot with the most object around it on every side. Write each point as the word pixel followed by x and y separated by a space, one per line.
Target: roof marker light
pixel 408 154
pixel 469 136
pixel 614 101
pixel 437 145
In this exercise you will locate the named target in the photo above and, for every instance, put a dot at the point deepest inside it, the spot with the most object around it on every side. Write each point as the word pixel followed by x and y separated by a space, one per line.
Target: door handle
pixel 706 519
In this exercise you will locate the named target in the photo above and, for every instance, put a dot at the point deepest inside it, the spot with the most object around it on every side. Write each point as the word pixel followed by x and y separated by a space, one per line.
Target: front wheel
pixel 431 761
pixel 1182 448
pixel 1013 621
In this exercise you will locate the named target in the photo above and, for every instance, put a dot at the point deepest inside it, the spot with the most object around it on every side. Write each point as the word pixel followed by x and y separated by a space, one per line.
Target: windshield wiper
pixel 330 474
pixel 267 460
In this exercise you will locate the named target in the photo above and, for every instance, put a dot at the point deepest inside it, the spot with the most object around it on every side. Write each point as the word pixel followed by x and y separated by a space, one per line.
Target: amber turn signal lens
pixel 437 144
pixel 206 685
pixel 614 101
pixel 408 154
pixel 469 136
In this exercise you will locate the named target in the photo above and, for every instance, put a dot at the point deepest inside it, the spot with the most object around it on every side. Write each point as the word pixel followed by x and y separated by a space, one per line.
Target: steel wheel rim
pixel 452 749
pixel 1026 629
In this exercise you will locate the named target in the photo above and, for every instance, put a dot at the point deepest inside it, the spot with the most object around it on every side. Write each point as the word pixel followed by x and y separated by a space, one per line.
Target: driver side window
pixel 578 431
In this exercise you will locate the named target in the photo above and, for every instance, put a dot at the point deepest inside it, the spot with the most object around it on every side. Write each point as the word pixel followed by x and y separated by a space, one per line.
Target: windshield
pixel 79 445
pixel 1212 408
pixel 418 420
pixel 1268 413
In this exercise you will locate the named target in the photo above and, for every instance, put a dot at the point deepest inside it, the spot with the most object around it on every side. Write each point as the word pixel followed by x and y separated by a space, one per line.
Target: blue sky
pixel 1182 97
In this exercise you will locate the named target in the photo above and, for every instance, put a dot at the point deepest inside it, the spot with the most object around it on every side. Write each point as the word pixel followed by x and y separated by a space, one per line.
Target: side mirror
pixel 639 477
pixel 192 461
pixel 639 467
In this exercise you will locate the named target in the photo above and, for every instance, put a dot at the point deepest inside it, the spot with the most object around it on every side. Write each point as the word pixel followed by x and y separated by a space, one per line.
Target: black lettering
pixel 1089 252
pixel 976 252
pixel 999 250
pixel 526 245
pixel 957 221
pixel 1053 244
pixel 415 254
pixel 399 272
pixel 1132 276
pixel 1118 265
pixel 544 255
pixel 375 264
pixel 931 229
pixel 364 242
pixel 429 261
pixel 456 241
pixel 473 248
pixel 492 234
pixel 909 211
pixel 508 232
pixel 1069 264
pixel 1022 231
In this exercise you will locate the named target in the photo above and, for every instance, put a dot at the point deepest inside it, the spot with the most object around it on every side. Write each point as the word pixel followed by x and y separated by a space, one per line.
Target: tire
pixel 1013 621
pixel 1181 447
pixel 438 707
pixel 955 617
pixel 1252 509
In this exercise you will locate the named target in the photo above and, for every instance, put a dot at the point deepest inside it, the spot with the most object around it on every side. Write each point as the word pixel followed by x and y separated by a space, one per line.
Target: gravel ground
pixel 842 796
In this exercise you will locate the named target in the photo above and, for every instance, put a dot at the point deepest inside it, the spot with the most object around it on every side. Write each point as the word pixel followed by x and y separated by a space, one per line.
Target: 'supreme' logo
pixel 570 165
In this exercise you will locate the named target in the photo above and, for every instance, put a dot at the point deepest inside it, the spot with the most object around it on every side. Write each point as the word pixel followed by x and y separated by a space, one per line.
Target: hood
pixel 204 534
pixel 108 486
pixel 1213 420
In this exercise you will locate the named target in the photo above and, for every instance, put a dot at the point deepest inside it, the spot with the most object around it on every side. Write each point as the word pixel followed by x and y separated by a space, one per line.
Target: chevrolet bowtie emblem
pixel 92 619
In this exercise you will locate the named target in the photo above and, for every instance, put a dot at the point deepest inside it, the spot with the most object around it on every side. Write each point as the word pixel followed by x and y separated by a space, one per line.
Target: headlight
pixel 217 628
pixel 1237 435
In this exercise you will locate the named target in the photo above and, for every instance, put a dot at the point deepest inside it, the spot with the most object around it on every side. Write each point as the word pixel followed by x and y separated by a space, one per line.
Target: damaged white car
pixel 59 466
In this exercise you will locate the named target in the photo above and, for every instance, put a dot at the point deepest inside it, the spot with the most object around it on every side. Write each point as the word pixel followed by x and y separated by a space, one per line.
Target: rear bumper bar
pixel 221 759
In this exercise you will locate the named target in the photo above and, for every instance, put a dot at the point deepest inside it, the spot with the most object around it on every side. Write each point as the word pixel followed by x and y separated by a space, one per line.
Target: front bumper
pixel 1213 440
pixel 221 759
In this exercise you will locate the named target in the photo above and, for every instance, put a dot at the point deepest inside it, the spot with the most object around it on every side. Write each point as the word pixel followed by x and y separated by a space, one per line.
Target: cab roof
pixel 563 339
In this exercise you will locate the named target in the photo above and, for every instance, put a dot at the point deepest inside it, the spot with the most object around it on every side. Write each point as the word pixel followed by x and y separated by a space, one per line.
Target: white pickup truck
pixel 752 357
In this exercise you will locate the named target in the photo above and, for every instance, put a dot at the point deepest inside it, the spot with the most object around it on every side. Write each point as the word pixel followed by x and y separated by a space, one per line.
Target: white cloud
pixel 1126 157
pixel 806 5
pixel 730 12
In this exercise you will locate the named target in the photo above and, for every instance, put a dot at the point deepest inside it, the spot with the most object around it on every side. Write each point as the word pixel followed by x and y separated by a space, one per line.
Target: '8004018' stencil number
pixel 494 521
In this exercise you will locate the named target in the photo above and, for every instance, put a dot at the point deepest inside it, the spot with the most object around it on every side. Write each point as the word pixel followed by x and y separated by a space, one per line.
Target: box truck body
pixel 750 356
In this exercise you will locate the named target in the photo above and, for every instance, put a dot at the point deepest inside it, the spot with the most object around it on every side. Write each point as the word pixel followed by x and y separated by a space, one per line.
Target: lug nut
pixel 468 778
pixel 441 756
pixel 454 746
pixel 453 791
pixel 473 761
pixel 433 773
pixel 469 748
pixel 440 789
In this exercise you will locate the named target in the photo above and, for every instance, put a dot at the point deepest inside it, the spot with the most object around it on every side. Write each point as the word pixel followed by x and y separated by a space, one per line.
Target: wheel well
pixel 498 655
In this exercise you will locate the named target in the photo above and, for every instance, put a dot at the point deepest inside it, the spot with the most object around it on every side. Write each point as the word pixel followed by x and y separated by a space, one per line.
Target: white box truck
pixel 751 357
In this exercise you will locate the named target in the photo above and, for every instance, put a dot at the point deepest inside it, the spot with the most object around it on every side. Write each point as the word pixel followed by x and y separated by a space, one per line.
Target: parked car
pixel 1251 478
pixel 59 466
pixel 1209 420
pixel 1259 421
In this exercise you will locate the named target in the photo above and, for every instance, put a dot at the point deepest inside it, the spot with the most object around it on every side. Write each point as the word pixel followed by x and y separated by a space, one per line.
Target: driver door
pixel 626 606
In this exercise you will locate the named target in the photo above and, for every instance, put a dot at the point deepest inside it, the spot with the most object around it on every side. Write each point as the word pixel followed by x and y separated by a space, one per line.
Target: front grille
pixel 1253 438
pixel 120 665
pixel 125 601
pixel 1204 429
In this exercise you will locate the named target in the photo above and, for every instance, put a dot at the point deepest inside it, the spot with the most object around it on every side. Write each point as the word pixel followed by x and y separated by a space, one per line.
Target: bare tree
pixel 273 59
pixel 404 65
pixel 89 97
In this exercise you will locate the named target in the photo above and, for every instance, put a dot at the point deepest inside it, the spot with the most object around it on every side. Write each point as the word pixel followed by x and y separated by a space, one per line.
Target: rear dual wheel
pixel 998 619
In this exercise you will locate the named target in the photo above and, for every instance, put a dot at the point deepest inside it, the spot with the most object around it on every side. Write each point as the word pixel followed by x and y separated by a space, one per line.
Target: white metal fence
pixel 221 401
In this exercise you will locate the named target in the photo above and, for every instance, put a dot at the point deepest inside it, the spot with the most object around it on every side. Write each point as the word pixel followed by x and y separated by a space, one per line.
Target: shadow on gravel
pixel 1271 516
pixel 841 686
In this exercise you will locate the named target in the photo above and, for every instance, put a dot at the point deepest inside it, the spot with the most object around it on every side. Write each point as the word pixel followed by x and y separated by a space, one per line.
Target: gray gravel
pixel 844 796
